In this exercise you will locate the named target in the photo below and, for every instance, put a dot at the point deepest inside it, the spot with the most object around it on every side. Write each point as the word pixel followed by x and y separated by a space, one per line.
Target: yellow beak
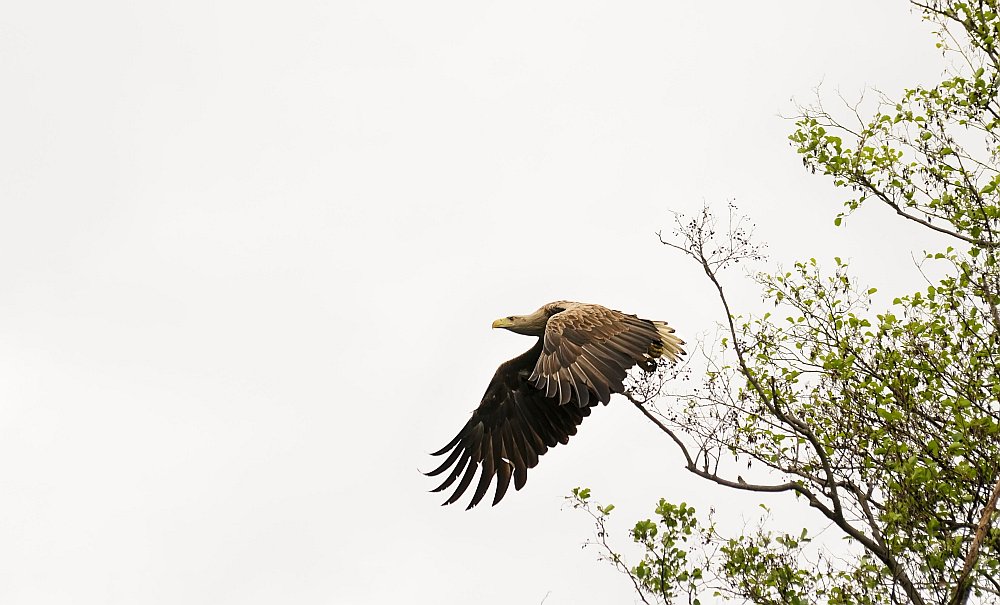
pixel 501 323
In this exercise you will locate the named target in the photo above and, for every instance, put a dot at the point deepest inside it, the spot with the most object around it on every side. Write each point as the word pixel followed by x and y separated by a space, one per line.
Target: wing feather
pixel 598 380
pixel 447 463
pixel 503 480
pixel 470 472
pixel 463 462
pixel 485 478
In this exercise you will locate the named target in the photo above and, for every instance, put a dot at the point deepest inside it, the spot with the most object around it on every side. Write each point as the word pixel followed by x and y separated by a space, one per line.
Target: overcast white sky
pixel 250 253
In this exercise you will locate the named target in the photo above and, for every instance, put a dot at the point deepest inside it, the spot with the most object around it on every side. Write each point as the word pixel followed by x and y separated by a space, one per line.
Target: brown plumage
pixel 536 400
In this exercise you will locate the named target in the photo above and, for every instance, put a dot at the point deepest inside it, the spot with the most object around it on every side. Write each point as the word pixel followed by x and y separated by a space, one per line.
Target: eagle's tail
pixel 669 346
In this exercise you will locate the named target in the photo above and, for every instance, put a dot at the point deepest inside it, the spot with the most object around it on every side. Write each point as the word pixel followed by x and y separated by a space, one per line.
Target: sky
pixel 250 253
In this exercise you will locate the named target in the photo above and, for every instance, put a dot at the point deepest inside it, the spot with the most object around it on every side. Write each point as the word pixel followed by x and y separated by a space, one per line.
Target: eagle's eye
pixel 511 318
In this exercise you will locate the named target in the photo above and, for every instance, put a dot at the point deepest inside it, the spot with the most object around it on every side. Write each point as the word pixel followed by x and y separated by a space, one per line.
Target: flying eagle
pixel 536 400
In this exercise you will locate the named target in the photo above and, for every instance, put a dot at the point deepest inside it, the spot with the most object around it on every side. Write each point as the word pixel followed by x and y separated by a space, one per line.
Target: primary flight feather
pixel 536 400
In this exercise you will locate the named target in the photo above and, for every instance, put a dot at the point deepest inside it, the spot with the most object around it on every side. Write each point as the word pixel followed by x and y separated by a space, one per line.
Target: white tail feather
pixel 671 344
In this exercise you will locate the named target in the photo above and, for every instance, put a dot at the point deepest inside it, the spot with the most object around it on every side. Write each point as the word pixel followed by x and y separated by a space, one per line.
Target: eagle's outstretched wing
pixel 514 425
pixel 588 350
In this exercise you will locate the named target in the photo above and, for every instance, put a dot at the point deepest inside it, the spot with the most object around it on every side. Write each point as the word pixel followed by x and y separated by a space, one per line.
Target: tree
pixel 885 421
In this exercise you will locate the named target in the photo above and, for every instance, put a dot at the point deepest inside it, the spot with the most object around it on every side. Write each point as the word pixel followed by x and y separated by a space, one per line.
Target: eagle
pixel 536 400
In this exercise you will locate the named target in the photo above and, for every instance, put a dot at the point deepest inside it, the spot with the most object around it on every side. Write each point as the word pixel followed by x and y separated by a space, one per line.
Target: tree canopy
pixel 884 419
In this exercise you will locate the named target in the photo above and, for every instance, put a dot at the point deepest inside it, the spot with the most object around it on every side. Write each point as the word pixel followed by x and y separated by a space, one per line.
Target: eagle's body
pixel 536 400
